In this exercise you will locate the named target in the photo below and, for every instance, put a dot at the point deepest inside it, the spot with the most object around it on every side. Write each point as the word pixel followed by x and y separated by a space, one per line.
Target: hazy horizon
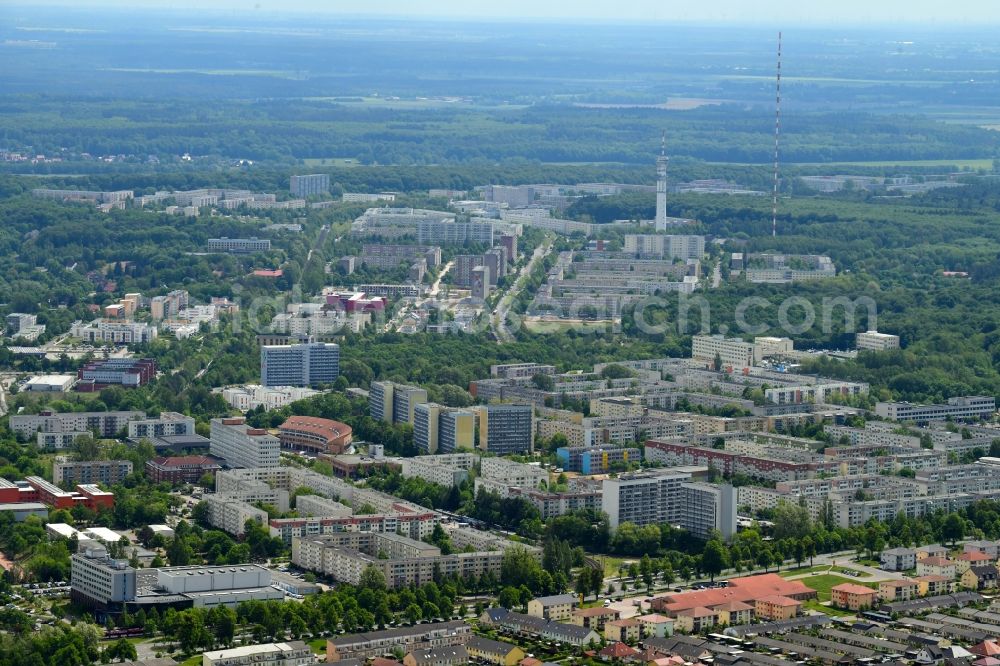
pixel 854 13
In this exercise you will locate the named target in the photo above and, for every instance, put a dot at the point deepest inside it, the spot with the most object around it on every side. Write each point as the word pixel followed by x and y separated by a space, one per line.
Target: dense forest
pixel 288 131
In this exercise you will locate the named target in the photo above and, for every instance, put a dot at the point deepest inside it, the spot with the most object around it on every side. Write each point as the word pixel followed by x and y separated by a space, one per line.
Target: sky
pixel 764 12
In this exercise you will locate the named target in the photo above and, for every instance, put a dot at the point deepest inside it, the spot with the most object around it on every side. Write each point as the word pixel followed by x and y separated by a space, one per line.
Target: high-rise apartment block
pixel 309 185
pixel 242 446
pixel 506 429
pixel 167 307
pixel 306 364
pixel 509 242
pixel 439 429
pixel 394 403
pixel 669 497
pixel 480 287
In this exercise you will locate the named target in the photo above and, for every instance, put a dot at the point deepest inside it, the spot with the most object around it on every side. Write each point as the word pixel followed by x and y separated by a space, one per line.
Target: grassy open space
pixel 823 583
pixel 612 565
pixel 549 326
pixel 823 568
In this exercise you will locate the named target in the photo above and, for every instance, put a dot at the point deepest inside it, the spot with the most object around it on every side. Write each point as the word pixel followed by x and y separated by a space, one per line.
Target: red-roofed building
pixel 356 301
pixel 268 273
pixel 972 559
pixel 986 649
pixel 181 469
pixel 95 498
pixel 937 566
pixel 777 607
pixel 618 651
pixel 852 596
pixel 316 435
pixel 88 495
pixel 746 589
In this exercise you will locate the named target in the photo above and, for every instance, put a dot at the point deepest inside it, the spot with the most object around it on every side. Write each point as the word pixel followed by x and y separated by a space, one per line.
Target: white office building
pixel 875 341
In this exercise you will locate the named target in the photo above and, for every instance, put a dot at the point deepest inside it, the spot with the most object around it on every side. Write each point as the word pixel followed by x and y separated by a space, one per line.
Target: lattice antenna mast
pixel 777 139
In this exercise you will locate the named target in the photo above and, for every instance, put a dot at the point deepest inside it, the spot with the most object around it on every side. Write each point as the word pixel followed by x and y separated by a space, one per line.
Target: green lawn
pixel 612 565
pixel 823 569
pixel 823 583
pixel 193 661
pixel 318 645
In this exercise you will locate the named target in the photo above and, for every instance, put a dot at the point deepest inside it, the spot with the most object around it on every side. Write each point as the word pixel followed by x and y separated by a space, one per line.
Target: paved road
pixel 717 275
pixel 436 287
pixel 498 321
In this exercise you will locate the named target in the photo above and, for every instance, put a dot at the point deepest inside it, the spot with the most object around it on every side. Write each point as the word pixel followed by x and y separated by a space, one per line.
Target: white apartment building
pixel 238 244
pixel 963 407
pixel 231 515
pixel 367 197
pixel 869 436
pixel 165 425
pixel 875 341
pixel 733 352
pixel 58 440
pixel 669 496
pixel 511 473
pixel 643 498
pixel 771 346
pixel 251 396
pixel 106 424
pixel 242 446
pixel 665 246
pixel 814 393
pixel 449 469
pixel 120 332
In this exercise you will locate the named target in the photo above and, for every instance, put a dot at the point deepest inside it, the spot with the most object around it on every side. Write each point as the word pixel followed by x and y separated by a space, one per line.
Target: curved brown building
pixel 310 433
